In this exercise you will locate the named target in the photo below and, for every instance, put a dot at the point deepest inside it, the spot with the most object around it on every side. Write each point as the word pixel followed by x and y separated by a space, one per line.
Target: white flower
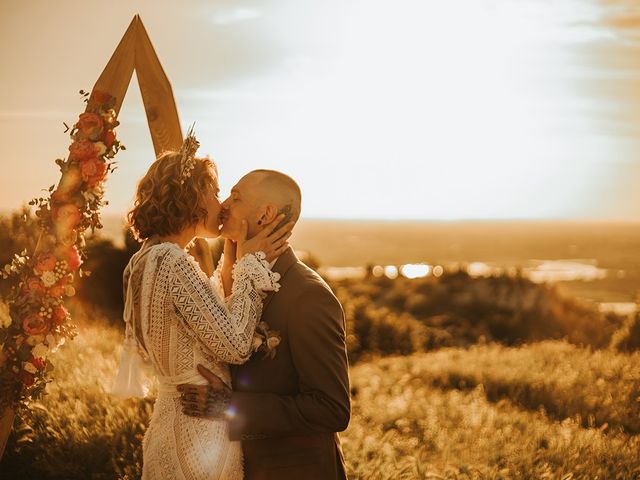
pixel 40 351
pixel 30 367
pixel 49 279
pixel 5 316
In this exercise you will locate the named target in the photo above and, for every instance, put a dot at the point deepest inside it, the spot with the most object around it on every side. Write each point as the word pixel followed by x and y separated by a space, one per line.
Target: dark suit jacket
pixel 288 410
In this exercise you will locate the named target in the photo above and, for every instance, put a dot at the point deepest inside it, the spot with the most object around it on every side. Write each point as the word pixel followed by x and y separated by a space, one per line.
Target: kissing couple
pixel 251 363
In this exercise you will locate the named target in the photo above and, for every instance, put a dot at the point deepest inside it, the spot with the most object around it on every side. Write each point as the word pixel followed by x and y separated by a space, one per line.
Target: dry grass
pixel 405 427
pixel 411 419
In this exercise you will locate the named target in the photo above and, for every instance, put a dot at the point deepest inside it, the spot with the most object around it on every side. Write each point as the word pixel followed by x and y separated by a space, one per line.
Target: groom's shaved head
pixel 258 197
pixel 280 189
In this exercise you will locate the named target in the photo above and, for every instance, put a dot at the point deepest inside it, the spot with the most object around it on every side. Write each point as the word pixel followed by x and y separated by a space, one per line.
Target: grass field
pixel 548 410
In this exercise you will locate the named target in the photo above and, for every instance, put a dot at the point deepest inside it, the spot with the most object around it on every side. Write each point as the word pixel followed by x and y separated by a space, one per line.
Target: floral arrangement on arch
pixel 33 319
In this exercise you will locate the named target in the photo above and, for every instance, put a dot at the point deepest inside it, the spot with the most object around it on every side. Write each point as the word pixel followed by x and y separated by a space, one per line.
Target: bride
pixel 178 317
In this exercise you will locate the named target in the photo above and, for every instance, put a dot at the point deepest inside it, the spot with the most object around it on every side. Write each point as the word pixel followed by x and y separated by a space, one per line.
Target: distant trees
pixel 384 316
pixel 401 316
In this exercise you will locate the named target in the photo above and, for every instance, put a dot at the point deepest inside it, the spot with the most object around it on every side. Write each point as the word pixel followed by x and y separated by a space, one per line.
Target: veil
pixel 132 379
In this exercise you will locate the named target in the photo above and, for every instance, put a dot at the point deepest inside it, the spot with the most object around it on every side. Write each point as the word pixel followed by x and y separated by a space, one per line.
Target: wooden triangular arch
pixel 135 51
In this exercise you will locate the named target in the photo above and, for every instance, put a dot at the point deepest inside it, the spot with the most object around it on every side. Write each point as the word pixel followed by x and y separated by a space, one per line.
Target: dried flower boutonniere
pixel 265 340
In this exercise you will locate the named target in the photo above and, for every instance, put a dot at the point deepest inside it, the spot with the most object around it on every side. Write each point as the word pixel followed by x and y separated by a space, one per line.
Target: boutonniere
pixel 265 340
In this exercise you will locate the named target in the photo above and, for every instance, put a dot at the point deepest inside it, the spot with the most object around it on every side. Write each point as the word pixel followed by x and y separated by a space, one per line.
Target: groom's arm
pixel 316 332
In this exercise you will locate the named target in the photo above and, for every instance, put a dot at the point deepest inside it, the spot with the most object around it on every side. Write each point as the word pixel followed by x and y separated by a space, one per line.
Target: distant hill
pixel 358 242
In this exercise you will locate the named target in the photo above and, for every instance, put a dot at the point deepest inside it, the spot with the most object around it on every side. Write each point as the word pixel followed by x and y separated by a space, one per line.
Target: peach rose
pixel 90 125
pixel 57 290
pixel 67 216
pixel 82 149
pixel 66 237
pixel 73 258
pixel 45 262
pixel 69 183
pixel 34 324
pixel 93 171
pixel 34 285
pixel 60 314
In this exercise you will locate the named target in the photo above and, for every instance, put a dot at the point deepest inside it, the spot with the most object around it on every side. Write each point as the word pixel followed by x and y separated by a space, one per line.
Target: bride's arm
pixel 222 277
pixel 224 329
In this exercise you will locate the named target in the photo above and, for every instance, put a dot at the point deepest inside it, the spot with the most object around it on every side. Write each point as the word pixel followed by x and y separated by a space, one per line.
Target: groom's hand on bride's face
pixel 205 401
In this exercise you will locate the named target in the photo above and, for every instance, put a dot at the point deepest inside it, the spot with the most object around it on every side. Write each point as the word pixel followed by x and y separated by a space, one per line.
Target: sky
pixel 380 109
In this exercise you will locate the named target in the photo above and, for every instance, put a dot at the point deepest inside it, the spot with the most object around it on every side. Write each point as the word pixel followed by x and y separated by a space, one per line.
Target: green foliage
pixel 20 231
pixel 401 316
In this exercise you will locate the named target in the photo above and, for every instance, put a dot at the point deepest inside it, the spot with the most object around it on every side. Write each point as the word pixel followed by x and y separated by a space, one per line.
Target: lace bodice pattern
pixel 180 318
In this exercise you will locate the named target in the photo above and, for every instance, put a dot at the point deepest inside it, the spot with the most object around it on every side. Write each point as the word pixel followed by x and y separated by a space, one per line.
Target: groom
pixel 288 409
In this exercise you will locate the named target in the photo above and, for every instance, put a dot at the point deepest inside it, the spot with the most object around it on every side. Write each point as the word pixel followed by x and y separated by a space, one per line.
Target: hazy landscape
pixel 478 369
pixel 610 247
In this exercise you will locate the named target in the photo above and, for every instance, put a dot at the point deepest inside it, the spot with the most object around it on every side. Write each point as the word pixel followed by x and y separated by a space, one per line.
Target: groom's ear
pixel 268 214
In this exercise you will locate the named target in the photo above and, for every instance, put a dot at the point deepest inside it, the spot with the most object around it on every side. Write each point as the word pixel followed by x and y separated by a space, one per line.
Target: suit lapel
pixel 282 266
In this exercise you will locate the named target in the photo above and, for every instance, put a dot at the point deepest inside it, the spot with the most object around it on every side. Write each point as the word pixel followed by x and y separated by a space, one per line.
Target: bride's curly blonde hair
pixel 166 201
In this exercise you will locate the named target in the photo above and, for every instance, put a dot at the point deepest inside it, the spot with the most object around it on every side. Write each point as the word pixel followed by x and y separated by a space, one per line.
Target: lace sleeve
pixel 225 330
pixel 216 279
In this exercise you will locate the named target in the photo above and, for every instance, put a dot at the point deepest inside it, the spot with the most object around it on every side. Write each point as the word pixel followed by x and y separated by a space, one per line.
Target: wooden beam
pixel 116 76
pixel 157 95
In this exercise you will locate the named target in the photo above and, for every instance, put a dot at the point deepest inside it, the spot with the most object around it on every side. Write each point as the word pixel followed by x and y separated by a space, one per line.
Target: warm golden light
pixel 512 110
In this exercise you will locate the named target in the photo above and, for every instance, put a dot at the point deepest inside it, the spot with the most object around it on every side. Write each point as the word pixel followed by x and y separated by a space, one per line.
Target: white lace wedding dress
pixel 180 318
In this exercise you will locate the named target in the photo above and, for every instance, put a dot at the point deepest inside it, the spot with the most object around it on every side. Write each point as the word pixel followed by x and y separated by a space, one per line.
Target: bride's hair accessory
pixel 187 155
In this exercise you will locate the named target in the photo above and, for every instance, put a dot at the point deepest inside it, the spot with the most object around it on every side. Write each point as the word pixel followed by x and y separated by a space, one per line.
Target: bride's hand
pixel 230 254
pixel 271 241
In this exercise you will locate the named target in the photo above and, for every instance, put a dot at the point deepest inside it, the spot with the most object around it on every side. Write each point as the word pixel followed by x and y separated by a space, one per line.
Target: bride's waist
pixel 168 385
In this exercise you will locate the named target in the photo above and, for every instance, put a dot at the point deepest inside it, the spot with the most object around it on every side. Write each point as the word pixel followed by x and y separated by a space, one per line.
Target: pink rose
pixel 93 171
pixel 82 149
pixel 34 324
pixel 90 125
pixel 45 262
pixel 59 314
